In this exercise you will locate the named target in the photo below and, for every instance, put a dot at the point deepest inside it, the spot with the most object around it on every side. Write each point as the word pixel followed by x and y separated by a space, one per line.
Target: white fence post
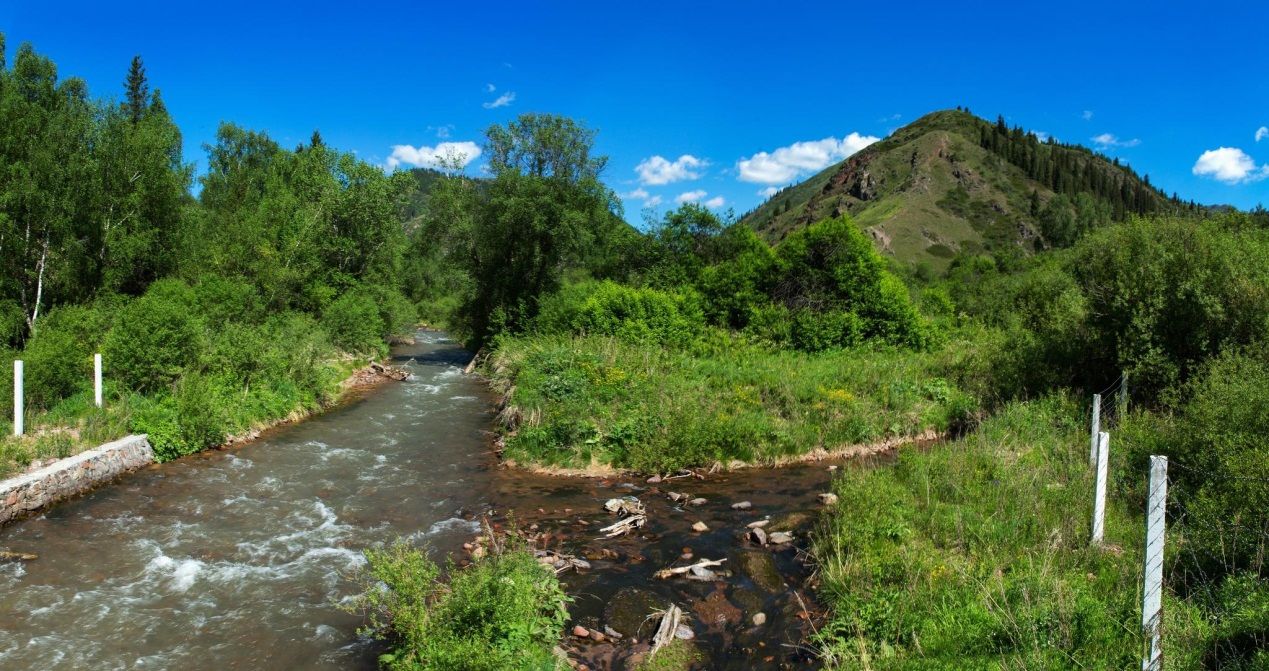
pixel 1097 427
pixel 1152 587
pixel 1099 493
pixel 97 379
pixel 17 397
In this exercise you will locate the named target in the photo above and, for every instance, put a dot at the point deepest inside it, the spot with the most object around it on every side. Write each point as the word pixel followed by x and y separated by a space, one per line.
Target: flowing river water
pixel 238 558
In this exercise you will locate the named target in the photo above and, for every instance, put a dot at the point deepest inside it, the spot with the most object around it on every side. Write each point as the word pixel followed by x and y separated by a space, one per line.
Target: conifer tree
pixel 137 90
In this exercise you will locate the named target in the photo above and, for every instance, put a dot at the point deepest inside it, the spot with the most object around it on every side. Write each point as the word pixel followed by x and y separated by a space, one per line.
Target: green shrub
pixel 154 338
pixel 354 322
pixel 631 313
pixel 56 365
pixel 504 611
pixel 220 300
pixel 832 267
pixel 396 311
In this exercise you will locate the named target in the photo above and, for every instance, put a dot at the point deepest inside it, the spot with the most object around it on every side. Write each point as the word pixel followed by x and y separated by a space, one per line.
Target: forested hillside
pixel 951 182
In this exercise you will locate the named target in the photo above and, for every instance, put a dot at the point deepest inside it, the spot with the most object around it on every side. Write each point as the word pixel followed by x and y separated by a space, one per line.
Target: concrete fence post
pixel 1097 427
pixel 97 379
pixel 1099 492
pixel 1152 581
pixel 17 397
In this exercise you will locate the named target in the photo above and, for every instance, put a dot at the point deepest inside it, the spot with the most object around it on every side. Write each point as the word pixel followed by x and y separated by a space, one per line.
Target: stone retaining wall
pixel 71 476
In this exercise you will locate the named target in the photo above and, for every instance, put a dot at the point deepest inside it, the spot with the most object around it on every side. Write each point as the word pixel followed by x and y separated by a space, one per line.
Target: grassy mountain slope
pixel 952 182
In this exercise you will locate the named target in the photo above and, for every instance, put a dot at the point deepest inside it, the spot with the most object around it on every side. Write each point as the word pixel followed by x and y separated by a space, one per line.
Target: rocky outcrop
pixel 69 477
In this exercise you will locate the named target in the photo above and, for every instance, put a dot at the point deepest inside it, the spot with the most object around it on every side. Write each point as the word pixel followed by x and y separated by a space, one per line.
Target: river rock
pixel 696 502
pixel 629 607
pixel 759 619
pixel 654 480
pixel 684 632
pixel 700 527
pixel 758 536
pixel 780 537
pixel 759 524
pixel 581 632
pixel 743 505
pixel 828 499
pixel 761 569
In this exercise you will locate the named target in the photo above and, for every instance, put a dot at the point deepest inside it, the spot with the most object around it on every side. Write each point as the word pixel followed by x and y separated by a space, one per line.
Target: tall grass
pixel 976 554
pixel 587 400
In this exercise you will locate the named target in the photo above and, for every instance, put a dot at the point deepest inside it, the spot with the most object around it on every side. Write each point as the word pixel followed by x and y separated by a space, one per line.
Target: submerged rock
pixel 761 569
pixel 629 608
pixel 743 505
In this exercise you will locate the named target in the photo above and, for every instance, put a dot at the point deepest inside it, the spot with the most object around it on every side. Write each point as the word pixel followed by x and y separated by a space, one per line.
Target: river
pixel 239 558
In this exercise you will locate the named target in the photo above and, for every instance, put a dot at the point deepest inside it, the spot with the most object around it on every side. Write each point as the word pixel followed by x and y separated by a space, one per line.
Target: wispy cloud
pixel 1262 133
pixel 502 101
pixel 769 191
pixel 658 170
pixel 690 196
pixel 1230 165
pixel 715 202
pixel 784 164
pixel 1087 115
pixel 490 88
pixel 443 155
pixel 642 194
pixel 1106 141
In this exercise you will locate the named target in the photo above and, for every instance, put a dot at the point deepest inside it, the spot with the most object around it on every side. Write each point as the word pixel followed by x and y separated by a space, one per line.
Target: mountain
pixel 952 182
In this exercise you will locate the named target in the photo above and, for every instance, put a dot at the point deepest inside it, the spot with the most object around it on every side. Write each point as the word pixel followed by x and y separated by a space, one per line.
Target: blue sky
pixel 716 101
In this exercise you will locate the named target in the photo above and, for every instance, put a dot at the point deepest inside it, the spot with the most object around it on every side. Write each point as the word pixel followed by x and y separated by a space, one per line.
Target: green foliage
pixel 1168 294
pixel 544 210
pixel 354 322
pixel 154 338
pixel 832 269
pixel 504 611
pixel 630 313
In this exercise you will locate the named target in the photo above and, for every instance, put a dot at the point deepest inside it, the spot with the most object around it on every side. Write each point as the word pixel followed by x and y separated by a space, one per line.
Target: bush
pixel 154 339
pixel 633 314
pixel 56 365
pixel 184 422
pixel 354 322
pixel 504 611
pixel 832 267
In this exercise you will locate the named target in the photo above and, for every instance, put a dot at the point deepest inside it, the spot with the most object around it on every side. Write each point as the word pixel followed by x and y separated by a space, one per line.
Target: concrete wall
pixel 71 476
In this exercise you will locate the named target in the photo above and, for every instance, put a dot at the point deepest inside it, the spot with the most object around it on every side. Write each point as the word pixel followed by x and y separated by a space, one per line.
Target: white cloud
pixel 641 193
pixel 502 101
pixel 1087 115
pixel 443 155
pixel 490 88
pixel 1106 141
pixel 715 202
pixel 1262 133
pixel 443 132
pixel 768 192
pixel 1041 136
pixel 658 170
pixel 1229 165
pixel 690 196
pixel 786 163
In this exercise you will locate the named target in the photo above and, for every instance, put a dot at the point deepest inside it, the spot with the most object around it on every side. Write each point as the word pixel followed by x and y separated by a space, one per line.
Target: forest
pixel 247 294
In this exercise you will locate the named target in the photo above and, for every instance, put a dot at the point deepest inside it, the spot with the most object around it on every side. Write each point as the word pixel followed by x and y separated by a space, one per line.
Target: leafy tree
pixel 543 212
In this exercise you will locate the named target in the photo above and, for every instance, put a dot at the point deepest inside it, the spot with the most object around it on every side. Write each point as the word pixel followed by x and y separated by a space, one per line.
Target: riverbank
pixel 81 467
pixel 602 407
